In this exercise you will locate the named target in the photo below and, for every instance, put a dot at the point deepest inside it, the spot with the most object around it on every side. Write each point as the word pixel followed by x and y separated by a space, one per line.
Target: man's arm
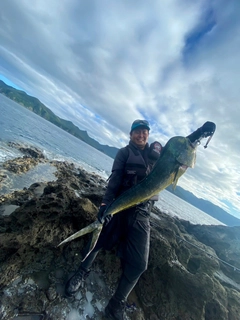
pixel 114 183
pixel 116 177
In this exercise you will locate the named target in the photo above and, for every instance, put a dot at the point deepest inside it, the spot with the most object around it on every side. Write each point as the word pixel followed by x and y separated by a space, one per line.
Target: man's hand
pixel 208 128
pixel 101 217
pixel 107 219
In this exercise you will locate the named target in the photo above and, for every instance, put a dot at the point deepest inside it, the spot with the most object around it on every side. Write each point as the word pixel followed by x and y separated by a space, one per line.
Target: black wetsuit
pixel 129 229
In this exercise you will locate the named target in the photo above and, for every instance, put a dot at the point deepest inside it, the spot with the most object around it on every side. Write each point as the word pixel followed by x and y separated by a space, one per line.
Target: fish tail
pixel 95 236
pixel 95 226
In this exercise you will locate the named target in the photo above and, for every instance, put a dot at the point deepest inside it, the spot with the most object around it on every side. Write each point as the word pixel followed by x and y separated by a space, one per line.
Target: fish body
pixel 178 154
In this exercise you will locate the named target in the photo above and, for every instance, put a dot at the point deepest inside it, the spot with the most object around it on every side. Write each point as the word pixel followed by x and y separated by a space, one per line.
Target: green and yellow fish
pixel 177 155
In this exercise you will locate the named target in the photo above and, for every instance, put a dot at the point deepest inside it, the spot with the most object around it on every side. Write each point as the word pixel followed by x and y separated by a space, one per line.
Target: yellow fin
pixel 178 174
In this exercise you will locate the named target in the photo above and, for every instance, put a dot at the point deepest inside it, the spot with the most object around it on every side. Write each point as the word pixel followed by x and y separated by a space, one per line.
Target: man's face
pixel 140 137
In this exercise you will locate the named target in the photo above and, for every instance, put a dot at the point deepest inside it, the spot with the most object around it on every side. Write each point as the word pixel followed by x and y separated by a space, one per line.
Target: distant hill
pixel 34 105
pixel 40 109
pixel 206 206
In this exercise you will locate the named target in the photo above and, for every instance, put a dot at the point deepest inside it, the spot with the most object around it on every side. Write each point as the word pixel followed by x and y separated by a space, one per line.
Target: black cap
pixel 140 123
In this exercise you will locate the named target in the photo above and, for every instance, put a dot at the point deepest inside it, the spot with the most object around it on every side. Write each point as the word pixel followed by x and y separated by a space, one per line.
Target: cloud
pixel 104 64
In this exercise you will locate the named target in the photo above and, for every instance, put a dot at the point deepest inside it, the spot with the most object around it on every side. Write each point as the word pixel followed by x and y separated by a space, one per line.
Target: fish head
pixel 182 149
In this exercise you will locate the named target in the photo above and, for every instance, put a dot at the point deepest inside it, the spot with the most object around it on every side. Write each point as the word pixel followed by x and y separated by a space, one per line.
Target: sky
pixel 103 64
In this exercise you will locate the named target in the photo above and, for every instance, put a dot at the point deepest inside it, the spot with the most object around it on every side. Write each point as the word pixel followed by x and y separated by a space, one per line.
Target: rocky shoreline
pixel 193 273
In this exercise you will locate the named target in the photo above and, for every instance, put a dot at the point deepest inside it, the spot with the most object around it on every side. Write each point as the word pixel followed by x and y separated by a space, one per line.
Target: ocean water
pixel 17 124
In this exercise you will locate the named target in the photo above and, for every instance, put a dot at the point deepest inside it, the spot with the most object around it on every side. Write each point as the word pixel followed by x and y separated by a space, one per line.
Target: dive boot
pixel 115 310
pixel 76 281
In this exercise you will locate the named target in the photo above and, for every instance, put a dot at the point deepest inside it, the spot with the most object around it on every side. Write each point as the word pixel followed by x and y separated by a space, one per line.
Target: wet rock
pixel 29 151
pixel 31 157
pixel 51 293
pixel 20 165
pixel 190 273
pixel 2 176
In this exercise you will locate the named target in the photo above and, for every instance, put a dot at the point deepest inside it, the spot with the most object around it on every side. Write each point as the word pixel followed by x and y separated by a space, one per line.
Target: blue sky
pixel 9 82
pixel 103 64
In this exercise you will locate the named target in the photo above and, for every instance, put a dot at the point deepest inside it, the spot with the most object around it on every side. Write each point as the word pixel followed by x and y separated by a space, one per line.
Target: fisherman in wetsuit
pixel 129 229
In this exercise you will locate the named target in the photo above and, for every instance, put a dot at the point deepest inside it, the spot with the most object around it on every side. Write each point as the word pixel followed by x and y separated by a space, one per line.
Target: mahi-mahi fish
pixel 177 155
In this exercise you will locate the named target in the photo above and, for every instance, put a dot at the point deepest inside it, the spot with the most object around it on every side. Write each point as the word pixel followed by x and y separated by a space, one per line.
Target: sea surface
pixel 18 124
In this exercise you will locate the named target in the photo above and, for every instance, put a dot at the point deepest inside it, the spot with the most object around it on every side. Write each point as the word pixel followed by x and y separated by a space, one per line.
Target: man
pixel 130 229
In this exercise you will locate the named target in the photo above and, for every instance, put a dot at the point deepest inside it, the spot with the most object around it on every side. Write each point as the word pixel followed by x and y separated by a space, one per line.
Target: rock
pixel 29 151
pixel 191 267
pixel 20 165
pixel 31 157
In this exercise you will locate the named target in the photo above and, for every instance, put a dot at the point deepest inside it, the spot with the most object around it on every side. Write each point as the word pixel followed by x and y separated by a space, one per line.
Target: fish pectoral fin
pixel 178 174
pixel 96 225
pixel 95 236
